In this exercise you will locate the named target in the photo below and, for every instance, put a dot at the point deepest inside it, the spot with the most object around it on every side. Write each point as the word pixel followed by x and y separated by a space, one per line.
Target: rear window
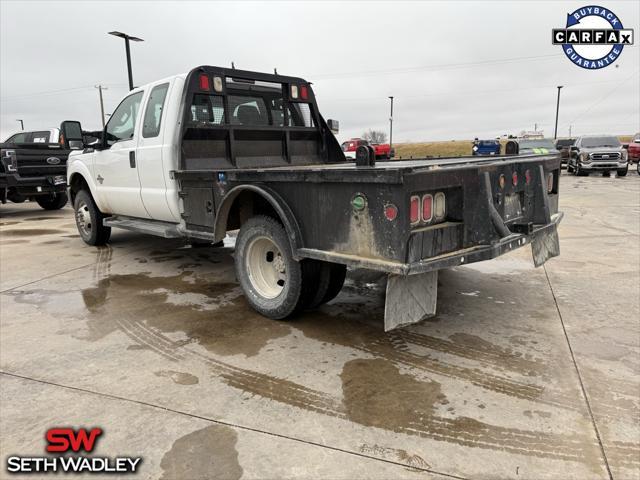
pixel 40 137
pixel 248 110
pixel 207 109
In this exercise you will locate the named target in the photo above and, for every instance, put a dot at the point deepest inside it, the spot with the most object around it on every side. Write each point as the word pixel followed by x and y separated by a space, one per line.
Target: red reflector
pixel 427 202
pixel 304 94
pixel 414 211
pixel 391 212
pixel 514 178
pixel 204 82
pixel 527 177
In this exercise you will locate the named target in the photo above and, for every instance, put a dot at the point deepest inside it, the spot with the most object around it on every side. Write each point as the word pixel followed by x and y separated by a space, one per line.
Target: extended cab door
pixel 115 168
pixel 154 153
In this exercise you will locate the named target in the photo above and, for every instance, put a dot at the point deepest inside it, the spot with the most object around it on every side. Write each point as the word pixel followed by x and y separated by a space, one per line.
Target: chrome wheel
pixel 266 267
pixel 83 219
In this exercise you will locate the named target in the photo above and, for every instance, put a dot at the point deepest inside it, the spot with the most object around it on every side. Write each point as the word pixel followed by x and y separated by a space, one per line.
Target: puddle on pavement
pixel 31 232
pixel 206 453
pixel 376 394
pixel 215 315
pixel 181 378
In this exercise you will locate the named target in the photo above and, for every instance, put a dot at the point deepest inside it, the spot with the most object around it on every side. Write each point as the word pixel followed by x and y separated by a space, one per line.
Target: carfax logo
pixel 593 37
pixel 68 443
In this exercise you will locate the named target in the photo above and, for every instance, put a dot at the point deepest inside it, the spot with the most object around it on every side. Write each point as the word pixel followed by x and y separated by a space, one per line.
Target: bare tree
pixel 375 136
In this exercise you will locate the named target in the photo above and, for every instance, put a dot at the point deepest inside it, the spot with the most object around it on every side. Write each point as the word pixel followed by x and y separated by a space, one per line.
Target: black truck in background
pixel 33 166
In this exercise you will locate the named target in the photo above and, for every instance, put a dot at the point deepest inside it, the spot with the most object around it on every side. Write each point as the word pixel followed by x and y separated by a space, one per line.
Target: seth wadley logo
pixel 66 441
pixel 593 37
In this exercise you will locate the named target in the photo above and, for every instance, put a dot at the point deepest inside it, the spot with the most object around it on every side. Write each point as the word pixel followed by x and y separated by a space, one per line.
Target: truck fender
pixel 279 205
pixel 80 174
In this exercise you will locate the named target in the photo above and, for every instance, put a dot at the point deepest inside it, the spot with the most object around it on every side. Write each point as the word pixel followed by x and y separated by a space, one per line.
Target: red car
pixel 634 148
pixel 383 150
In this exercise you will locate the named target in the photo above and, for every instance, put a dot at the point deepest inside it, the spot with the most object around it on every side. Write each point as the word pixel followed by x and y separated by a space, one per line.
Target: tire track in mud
pixel 463 431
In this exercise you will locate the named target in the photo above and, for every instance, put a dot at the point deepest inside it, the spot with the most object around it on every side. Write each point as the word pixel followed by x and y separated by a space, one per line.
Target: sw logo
pixel 593 37
pixel 65 440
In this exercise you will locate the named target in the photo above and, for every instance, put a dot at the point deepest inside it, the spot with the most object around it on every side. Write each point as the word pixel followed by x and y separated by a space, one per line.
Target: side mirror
pixel 333 125
pixel 71 135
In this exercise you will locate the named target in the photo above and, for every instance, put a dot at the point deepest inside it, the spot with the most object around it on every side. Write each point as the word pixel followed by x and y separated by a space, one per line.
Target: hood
pixel 601 149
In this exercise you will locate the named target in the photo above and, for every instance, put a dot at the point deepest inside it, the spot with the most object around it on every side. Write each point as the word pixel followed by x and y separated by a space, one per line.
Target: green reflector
pixel 358 202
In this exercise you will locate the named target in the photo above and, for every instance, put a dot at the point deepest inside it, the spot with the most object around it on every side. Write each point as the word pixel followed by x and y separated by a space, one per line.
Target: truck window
pixel 18 138
pixel 153 111
pixel 248 110
pixel 300 115
pixel 208 109
pixel 40 137
pixel 123 120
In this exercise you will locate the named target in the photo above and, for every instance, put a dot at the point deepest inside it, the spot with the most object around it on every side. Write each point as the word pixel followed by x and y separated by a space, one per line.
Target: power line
pixel 56 92
pixel 607 95
pixel 446 66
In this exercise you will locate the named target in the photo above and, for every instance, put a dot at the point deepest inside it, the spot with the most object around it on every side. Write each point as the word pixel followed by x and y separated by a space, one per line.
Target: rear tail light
pixel 414 210
pixel 390 211
pixel 514 179
pixel 427 210
pixel 304 94
pixel 550 182
pixel 527 177
pixel 294 91
pixel 439 207
pixel 204 82
pixel 217 84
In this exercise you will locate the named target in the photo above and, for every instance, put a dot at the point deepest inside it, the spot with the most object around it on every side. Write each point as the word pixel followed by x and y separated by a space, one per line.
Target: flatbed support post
pixel 409 299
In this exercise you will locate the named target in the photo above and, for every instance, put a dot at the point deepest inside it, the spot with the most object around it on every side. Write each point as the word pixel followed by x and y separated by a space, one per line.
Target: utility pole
pixel 391 124
pixel 570 130
pixel 21 124
pixel 100 88
pixel 126 46
pixel 535 127
pixel 555 133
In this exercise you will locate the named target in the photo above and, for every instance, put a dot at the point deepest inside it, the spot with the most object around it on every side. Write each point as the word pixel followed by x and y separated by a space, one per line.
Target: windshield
pixel 487 143
pixel 595 142
pixel 542 143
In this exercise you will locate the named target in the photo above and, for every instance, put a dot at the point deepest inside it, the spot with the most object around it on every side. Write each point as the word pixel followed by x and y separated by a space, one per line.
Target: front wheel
pixel 623 172
pixel 89 220
pixel 271 279
pixel 55 201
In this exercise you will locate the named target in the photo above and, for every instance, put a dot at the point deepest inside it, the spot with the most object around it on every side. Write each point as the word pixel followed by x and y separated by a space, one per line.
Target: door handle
pixel 132 159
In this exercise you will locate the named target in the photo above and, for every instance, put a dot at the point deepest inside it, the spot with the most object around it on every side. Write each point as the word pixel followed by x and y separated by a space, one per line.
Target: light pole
pixel 555 133
pixel 100 88
pixel 391 125
pixel 21 124
pixel 126 46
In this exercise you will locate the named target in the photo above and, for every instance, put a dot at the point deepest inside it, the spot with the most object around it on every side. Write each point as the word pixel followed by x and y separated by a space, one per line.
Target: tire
pixel 623 172
pixel 580 172
pixel 569 168
pixel 272 281
pixel 53 202
pixel 89 220
pixel 638 167
pixel 336 281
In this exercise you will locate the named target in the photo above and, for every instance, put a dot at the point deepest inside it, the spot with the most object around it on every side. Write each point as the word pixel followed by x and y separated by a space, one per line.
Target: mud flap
pixel 545 246
pixel 410 298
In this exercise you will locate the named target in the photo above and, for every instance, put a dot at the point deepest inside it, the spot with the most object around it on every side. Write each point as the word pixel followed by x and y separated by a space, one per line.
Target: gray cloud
pixel 456 69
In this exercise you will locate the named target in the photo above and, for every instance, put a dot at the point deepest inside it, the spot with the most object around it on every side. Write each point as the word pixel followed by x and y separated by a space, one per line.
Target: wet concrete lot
pixel 524 373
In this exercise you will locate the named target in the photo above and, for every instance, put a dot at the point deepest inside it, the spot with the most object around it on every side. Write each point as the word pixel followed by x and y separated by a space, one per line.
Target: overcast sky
pixel 457 69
